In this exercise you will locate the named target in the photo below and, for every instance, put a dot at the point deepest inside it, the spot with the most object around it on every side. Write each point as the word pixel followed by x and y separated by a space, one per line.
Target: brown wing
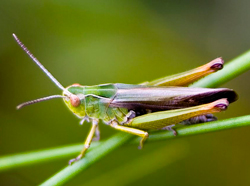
pixel 137 97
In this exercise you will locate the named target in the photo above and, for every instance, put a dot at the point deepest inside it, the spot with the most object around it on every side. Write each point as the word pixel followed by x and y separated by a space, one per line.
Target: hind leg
pixel 188 77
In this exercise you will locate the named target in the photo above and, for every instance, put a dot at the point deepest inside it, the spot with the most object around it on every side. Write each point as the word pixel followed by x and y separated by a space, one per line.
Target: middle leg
pixel 130 130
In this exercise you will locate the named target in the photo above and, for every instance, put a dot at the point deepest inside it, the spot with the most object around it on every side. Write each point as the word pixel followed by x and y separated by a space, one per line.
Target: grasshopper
pixel 166 101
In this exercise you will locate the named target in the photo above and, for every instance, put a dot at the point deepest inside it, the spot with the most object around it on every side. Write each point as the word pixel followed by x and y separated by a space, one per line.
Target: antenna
pixel 39 100
pixel 46 72
pixel 38 63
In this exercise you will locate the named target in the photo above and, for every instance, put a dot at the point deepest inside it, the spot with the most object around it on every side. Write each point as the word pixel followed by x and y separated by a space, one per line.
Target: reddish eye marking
pixel 75 100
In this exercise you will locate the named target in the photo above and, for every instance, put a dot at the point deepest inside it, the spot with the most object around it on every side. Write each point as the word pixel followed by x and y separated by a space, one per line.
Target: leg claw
pixel 174 132
pixel 169 128
pixel 75 159
pixel 96 138
pixel 72 161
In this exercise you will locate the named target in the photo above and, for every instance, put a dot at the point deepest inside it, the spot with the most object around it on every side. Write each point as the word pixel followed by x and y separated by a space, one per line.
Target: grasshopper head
pixel 74 99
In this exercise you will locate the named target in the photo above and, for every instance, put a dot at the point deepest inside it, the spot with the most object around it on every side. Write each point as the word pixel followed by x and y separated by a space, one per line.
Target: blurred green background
pixel 94 42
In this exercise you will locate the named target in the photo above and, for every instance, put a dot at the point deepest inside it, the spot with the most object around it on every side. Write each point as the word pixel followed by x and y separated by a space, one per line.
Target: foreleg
pixel 87 141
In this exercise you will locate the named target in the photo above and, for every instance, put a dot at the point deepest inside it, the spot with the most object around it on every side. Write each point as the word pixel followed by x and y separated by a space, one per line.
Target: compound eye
pixel 75 100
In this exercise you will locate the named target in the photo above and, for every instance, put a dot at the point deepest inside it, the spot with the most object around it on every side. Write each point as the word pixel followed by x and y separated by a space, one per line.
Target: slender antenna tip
pixel 14 35
pixel 38 63
pixel 38 100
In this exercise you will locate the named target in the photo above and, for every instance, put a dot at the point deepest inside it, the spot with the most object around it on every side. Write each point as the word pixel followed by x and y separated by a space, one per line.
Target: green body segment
pixel 115 102
pixel 95 103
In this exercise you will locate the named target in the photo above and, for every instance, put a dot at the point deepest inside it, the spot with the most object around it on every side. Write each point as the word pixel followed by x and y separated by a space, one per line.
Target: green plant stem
pixel 201 128
pixel 114 142
pixel 91 157
pixel 138 169
pixel 24 159
pixel 231 70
